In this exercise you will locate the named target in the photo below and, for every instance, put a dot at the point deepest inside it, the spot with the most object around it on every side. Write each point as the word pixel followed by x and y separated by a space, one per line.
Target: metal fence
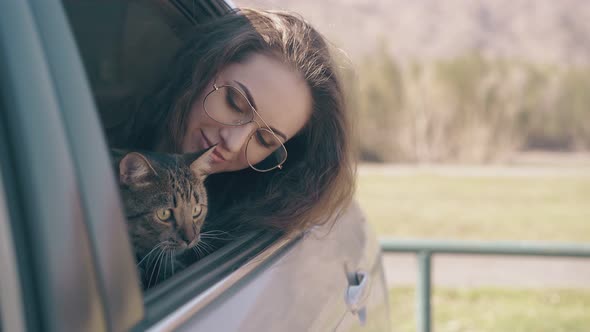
pixel 424 249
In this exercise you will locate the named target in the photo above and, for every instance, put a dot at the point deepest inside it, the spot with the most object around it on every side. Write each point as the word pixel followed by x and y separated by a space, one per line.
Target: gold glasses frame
pixel 245 122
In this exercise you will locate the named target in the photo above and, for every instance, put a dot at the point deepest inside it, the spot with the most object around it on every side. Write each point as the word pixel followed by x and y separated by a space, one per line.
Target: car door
pixel 304 286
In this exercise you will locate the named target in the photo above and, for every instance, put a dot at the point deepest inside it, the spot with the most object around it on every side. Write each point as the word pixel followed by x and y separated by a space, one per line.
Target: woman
pixel 260 86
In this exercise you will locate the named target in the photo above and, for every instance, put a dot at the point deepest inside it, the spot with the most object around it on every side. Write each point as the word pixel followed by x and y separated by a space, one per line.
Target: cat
pixel 165 203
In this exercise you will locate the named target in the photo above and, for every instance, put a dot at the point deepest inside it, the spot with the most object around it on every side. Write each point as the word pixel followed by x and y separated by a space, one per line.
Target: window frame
pixel 56 92
pixel 56 266
pixel 98 190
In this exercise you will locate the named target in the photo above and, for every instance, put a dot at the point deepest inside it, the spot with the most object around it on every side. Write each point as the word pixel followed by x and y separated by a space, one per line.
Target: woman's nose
pixel 235 137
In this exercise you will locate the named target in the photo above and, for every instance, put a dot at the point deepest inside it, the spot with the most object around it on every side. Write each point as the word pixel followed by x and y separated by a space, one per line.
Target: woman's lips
pixel 216 155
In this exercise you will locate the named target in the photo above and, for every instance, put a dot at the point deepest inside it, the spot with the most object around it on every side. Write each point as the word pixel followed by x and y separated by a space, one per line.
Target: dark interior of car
pixel 125 47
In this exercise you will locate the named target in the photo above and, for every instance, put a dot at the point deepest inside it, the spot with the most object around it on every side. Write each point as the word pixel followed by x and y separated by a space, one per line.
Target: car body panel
pixel 303 288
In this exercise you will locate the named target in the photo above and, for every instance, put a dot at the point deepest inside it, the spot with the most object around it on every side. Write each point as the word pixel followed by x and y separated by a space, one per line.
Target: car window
pixel 121 62
pixel 122 57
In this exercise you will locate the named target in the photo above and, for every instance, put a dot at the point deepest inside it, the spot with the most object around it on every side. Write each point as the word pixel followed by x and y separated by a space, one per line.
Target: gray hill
pixel 546 31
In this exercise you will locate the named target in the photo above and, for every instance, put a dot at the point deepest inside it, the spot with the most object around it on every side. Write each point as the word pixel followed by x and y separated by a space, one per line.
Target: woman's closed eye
pixel 235 101
pixel 266 139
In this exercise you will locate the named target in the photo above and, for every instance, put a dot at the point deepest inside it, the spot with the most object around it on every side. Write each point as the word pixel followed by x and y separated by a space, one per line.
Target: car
pixel 67 263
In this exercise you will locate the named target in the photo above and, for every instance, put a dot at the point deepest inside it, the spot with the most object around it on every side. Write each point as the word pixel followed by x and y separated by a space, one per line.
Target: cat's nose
pixel 194 241
pixel 188 234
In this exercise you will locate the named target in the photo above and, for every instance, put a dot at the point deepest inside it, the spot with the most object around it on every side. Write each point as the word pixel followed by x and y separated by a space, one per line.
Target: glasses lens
pixel 264 144
pixel 228 105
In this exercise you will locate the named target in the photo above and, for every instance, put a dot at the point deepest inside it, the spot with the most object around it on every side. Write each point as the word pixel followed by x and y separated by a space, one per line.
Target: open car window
pixel 123 59
pixel 126 57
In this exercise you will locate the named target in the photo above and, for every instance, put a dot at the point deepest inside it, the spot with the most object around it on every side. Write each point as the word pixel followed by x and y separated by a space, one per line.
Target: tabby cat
pixel 165 204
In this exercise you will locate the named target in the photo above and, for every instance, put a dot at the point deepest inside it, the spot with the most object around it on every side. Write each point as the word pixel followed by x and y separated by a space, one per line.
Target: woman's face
pixel 280 96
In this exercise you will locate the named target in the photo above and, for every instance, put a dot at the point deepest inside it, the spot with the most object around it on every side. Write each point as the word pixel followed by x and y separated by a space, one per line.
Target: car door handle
pixel 357 295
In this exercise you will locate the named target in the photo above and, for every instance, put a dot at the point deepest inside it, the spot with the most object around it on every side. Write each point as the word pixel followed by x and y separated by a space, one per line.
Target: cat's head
pixel 165 199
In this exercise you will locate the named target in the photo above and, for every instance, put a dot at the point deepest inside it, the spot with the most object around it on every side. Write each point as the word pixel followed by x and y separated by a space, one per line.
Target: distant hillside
pixel 552 31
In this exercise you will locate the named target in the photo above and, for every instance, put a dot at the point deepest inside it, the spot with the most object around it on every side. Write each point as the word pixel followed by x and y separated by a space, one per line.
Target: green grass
pixel 496 310
pixel 538 208
pixel 543 208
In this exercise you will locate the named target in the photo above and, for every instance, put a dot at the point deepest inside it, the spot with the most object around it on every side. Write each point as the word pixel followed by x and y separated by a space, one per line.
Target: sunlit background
pixel 474 123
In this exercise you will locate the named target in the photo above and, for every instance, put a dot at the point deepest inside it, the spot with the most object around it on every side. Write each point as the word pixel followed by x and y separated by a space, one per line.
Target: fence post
pixel 423 292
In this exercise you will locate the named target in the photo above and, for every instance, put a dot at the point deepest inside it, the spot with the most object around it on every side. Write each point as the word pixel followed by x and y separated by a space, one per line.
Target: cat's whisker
pixel 149 253
pixel 209 235
pixel 214 234
pixel 152 265
pixel 166 264
pixel 172 262
pixel 161 263
pixel 206 245
pixel 167 258
pixel 199 251
pixel 162 246
pixel 217 233
pixel 213 237
pixel 154 258
pixel 160 254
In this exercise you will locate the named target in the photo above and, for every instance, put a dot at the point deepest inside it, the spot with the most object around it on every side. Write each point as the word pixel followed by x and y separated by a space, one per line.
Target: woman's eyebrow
pixel 251 100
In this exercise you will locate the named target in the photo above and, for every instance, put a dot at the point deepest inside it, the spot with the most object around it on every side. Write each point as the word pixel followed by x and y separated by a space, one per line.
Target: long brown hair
pixel 318 177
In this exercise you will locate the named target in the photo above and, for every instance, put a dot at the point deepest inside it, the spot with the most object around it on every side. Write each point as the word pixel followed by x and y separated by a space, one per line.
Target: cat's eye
pixel 197 209
pixel 164 214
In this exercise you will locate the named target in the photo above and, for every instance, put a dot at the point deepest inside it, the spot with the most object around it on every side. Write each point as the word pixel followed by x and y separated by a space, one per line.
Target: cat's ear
pixel 135 169
pixel 201 166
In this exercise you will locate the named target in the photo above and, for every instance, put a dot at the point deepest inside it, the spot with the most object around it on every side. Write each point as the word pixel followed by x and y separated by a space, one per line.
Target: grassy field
pixel 496 310
pixel 519 207
pixel 522 206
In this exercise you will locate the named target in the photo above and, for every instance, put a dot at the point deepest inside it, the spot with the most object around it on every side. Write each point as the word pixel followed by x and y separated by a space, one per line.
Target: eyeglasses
pixel 229 106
